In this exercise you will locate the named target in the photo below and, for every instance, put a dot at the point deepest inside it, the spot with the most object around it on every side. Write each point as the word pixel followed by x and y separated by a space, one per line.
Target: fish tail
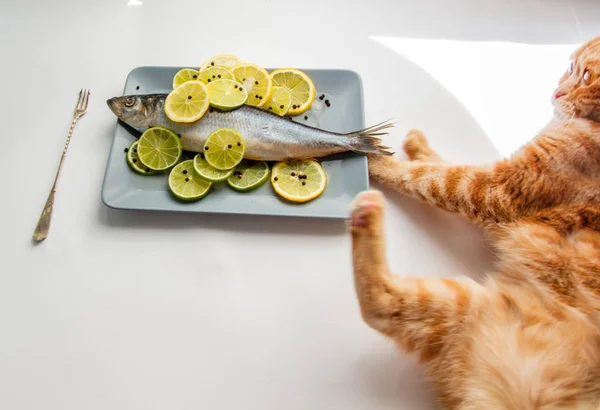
pixel 368 141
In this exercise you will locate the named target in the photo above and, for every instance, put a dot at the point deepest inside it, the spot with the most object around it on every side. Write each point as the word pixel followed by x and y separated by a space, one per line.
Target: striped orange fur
pixel 528 336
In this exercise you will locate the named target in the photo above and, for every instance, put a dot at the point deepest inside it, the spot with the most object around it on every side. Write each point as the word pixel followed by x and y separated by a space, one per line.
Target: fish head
pixel 138 111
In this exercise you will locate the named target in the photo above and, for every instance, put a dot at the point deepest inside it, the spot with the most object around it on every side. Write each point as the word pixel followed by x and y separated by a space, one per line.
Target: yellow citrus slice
pixel 300 87
pixel 214 74
pixel 226 94
pixel 256 81
pixel 222 60
pixel 298 180
pixel 280 101
pixel 184 75
pixel 188 102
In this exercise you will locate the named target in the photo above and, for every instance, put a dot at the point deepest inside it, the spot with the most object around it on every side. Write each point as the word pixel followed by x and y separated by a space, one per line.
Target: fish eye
pixel 129 101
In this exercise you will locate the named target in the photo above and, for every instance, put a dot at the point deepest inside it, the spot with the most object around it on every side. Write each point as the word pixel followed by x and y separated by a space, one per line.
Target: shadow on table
pixel 156 220
pixel 452 233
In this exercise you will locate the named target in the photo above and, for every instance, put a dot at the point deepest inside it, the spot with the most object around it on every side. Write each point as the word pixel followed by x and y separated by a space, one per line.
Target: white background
pixel 131 310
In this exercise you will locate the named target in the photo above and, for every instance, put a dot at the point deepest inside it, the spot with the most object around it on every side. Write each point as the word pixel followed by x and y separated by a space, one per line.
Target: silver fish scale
pixel 267 136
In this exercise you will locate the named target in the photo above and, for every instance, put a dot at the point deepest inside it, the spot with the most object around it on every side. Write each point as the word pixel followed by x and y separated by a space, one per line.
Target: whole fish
pixel 268 136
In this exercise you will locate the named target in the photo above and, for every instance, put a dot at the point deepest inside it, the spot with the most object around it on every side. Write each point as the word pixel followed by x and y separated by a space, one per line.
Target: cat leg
pixel 469 190
pixel 417 313
pixel 416 146
pixel 503 192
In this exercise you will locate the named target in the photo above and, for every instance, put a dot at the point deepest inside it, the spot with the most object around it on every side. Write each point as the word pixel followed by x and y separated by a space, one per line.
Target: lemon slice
pixel 248 175
pixel 300 87
pixel 184 75
pixel 298 180
pixel 280 101
pixel 226 94
pixel 208 172
pixel 215 73
pixel 187 103
pixel 222 60
pixel 133 160
pixel 224 148
pixel 159 148
pixel 185 184
pixel 256 81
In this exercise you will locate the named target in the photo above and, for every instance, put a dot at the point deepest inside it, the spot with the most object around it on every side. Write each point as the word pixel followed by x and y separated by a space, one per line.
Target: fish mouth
pixel 113 104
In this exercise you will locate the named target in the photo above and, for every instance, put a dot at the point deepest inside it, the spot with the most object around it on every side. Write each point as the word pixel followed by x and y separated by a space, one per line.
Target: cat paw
pixel 365 208
pixel 416 146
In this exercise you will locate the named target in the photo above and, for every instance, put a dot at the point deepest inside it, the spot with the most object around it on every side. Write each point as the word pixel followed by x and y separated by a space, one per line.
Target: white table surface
pixel 131 310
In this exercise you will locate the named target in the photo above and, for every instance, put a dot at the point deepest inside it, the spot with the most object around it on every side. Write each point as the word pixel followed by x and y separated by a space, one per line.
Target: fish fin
pixel 367 140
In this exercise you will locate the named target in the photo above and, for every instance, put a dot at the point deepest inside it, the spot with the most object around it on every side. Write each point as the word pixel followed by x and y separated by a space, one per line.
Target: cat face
pixel 578 92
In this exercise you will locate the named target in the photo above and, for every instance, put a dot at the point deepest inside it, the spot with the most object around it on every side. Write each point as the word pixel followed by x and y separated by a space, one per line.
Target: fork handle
pixel 43 226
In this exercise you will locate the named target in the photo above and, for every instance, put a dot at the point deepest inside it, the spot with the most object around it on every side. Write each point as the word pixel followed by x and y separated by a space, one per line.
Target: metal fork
pixel 43 225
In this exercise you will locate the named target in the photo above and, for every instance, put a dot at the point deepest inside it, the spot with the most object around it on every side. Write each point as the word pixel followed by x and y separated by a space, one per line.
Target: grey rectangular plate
pixel 347 173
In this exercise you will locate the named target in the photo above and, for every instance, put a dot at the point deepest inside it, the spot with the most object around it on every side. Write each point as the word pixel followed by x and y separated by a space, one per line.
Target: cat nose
pixel 558 94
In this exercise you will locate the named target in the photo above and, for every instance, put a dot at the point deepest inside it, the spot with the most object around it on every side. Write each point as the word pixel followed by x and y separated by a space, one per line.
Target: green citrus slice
pixel 226 94
pixel 208 172
pixel 133 160
pixel 185 184
pixel 159 148
pixel 224 148
pixel 249 175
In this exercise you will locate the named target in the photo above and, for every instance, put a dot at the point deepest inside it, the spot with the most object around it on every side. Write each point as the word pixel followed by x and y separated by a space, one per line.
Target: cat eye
pixel 589 76
pixel 571 67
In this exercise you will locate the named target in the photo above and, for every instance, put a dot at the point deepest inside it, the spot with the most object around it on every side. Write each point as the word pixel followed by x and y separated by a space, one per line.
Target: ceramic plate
pixel 347 173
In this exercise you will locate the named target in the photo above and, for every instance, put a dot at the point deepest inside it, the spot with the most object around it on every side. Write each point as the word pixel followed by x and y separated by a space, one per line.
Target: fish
pixel 268 136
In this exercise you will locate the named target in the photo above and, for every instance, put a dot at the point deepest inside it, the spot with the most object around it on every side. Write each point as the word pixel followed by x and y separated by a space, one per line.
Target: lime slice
pixel 159 148
pixel 224 148
pixel 187 103
pixel 298 180
pixel 133 160
pixel 215 73
pixel 226 94
pixel 248 175
pixel 256 81
pixel 280 101
pixel 185 184
pixel 222 60
pixel 184 75
pixel 300 87
pixel 206 171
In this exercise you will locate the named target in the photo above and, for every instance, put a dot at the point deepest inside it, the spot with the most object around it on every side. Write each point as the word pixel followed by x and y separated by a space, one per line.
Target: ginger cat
pixel 528 337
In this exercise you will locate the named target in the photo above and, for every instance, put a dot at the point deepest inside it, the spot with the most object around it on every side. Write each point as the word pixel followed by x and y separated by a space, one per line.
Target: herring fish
pixel 268 137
